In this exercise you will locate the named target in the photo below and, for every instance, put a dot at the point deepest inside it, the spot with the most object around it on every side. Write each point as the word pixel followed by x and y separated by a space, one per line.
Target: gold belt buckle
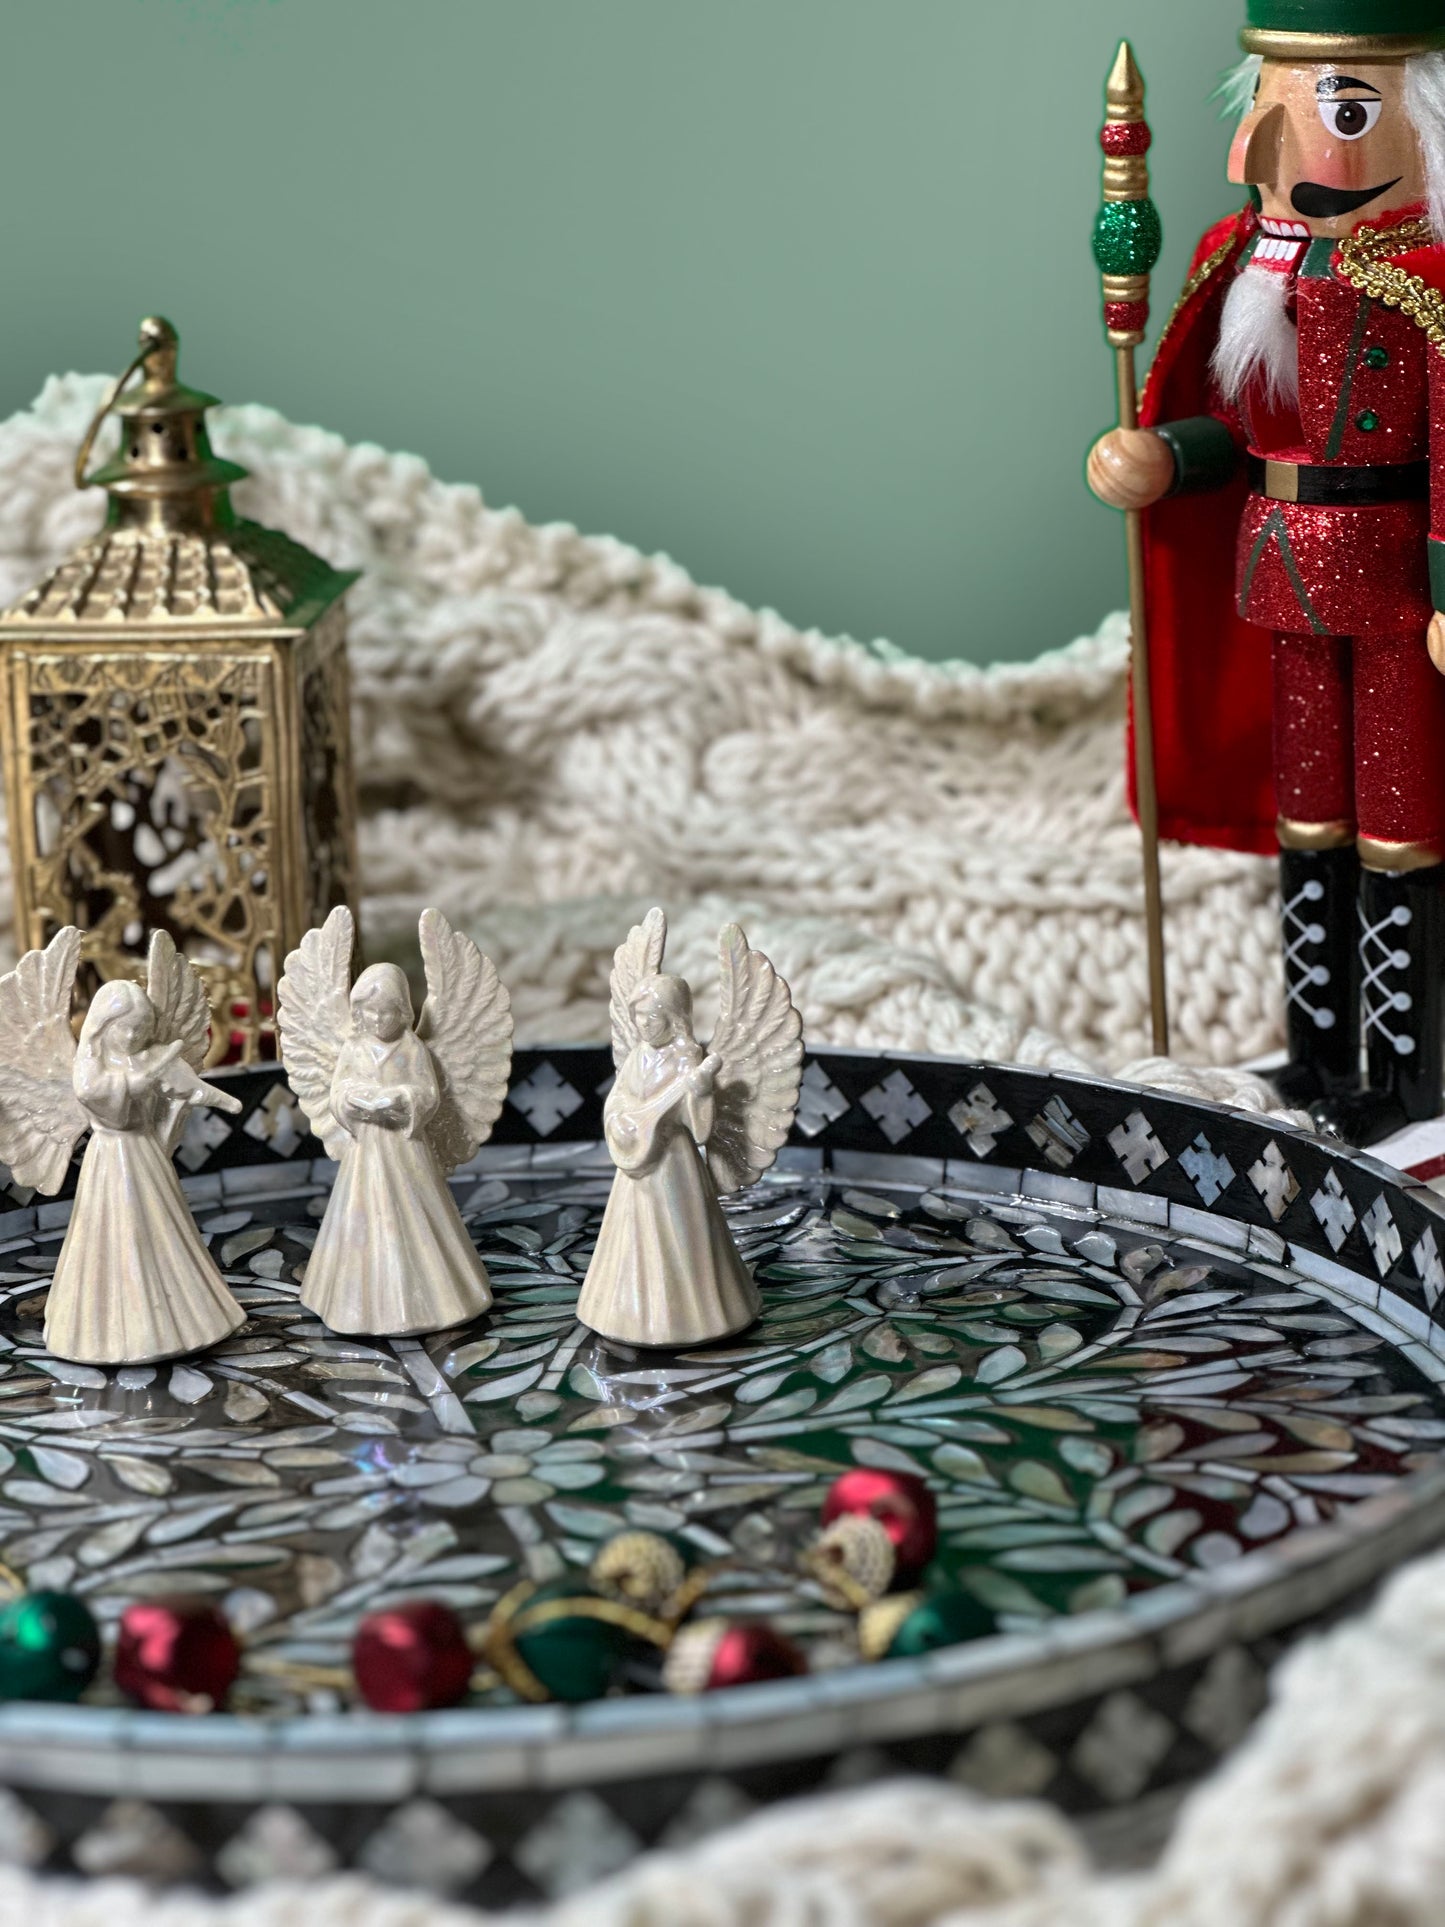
pixel 1281 481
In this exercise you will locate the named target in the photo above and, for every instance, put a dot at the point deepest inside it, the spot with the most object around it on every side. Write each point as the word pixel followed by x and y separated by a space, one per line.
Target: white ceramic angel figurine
pixel 665 1270
pixel 134 1282
pixel 401 1105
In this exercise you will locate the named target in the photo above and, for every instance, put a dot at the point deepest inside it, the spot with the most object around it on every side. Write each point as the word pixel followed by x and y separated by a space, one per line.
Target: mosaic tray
pixel 1173 1374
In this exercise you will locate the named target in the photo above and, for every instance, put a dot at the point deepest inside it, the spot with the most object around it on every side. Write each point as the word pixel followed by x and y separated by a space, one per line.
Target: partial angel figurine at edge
pixel 134 1282
pixel 400 1104
pixel 685 1128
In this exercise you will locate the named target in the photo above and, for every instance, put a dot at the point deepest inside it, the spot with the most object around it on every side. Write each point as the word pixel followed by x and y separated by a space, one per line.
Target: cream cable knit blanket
pixel 554 731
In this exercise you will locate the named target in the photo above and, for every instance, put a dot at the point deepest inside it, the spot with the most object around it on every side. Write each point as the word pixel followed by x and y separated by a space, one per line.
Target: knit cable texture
pixel 554 731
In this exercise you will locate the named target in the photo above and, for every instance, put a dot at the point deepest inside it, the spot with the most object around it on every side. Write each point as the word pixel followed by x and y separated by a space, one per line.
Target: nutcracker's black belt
pixel 1332 487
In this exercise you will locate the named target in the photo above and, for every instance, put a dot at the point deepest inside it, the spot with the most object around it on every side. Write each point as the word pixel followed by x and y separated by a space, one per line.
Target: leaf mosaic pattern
pixel 1097 1413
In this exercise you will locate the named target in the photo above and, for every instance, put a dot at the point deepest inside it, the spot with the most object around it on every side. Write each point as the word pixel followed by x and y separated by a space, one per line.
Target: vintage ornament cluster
pixel 638 1620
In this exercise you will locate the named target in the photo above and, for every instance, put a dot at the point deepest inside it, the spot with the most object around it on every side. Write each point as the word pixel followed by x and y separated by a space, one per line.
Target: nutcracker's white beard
pixel 1257 338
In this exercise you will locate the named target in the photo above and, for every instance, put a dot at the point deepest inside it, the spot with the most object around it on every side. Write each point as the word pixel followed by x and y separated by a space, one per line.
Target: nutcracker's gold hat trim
pixel 1362 30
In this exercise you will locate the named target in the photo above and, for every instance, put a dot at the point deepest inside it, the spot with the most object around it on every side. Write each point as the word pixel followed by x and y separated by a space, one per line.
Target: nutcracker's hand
pixel 1130 468
pixel 1435 641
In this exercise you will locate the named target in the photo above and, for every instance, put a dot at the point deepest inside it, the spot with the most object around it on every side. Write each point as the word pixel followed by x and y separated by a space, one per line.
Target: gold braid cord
pixel 1365 264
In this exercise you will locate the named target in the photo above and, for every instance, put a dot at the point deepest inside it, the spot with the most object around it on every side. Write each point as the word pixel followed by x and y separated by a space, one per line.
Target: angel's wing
pixel 40 1120
pixel 639 957
pixel 314 1018
pixel 179 1000
pixel 466 1024
pixel 759 1038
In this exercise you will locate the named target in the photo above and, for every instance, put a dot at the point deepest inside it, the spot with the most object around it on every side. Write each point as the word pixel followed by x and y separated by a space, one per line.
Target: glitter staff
pixel 1127 240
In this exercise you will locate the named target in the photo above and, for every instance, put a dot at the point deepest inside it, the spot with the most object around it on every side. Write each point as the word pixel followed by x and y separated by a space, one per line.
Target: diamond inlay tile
pixel 134 1838
pixel 1227 1700
pixel 896 1107
pixel 545 1099
pixel 422 1845
pixel 1058 1133
pixel 1210 1171
pixel 1004 1761
pixel 1383 1233
pixel 274 1844
pixel 1276 1184
pixel 1121 1746
pixel 1137 1148
pixel 819 1101
pixel 1426 1254
pixel 979 1119
pixel 1334 1210
pixel 581 1840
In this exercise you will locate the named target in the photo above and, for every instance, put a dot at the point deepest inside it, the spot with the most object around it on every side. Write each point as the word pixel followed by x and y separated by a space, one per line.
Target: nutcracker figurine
pixel 1290 467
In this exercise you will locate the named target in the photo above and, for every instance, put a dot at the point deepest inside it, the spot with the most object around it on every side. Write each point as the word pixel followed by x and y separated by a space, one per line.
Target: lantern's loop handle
pixel 82 480
pixel 157 337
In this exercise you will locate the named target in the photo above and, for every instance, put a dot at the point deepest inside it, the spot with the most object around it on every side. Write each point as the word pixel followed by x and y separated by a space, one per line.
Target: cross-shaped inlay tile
pixel 896 1106
pixel 1383 1233
pixel 979 1119
pixel 819 1101
pixel 277 1120
pixel 1276 1184
pixel 1209 1169
pixel 1058 1133
pixel 1426 1254
pixel 1134 1144
pixel 204 1131
pixel 1334 1210
pixel 545 1099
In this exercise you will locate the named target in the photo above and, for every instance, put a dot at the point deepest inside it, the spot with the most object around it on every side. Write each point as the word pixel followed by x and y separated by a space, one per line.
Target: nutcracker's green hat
pixel 1343 29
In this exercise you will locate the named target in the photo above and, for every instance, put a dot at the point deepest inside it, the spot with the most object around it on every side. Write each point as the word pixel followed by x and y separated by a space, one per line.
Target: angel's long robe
pixel 665 1270
pixel 135 1282
pixel 392 1256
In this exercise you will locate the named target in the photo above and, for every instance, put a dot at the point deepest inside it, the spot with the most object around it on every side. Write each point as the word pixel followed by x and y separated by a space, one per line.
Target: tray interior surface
pixel 1100 1409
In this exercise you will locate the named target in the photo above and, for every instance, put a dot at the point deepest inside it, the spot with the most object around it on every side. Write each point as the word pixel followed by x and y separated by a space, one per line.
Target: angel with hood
pixel 134 1282
pixel 686 1127
pixel 400 1103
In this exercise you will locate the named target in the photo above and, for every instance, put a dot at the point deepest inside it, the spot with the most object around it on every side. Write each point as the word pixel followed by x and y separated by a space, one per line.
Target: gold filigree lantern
pixel 176 721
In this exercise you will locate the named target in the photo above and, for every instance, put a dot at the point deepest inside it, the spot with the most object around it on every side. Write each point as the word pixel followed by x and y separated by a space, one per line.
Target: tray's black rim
pixel 359 1755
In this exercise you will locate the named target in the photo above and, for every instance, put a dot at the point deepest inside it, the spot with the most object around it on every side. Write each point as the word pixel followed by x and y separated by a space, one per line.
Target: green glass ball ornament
pixel 1128 237
pixel 940 1619
pixel 575 1657
pixel 49 1647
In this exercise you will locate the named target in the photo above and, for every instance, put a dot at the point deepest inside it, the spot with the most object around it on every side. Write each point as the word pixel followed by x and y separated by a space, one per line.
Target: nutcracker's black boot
pixel 1319 930
pixel 1402 953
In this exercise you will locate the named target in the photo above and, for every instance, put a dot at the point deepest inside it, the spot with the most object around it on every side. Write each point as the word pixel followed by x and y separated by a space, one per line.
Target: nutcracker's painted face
pixel 381 1002
pixel 1329 145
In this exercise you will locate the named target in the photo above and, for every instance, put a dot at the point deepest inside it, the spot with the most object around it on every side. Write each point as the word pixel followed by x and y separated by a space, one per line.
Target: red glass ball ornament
pixel 749 1651
pixel 411 1658
pixel 176 1655
pixel 901 1503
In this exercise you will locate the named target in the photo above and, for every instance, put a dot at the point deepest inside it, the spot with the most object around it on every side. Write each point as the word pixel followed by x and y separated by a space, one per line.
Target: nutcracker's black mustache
pixel 1318 203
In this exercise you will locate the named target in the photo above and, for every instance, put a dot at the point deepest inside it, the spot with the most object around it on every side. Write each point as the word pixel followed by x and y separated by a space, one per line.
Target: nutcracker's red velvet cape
pixel 1209 671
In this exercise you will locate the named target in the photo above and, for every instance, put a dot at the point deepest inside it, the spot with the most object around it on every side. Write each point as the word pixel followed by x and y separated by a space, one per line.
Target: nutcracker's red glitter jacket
pixel 1224 568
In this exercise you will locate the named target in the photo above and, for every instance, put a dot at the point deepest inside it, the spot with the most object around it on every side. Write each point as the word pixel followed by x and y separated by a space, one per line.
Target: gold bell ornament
pixel 176 722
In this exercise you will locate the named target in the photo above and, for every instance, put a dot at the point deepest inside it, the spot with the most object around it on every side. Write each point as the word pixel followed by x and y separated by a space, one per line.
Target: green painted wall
pixel 797 290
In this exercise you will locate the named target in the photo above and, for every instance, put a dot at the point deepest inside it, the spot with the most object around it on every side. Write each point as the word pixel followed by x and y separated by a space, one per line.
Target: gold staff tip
pixel 1124 89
